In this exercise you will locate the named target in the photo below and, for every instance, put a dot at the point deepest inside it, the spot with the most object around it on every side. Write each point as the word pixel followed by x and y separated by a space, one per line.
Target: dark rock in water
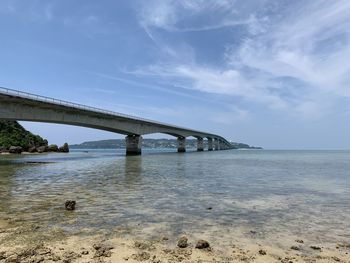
pixel 52 148
pixel 299 241
pixel 70 205
pixel 42 149
pixel 315 247
pixel 209 208
pixel 295 247
pixel 15 149
pixel 32 149
pixel 64 148
pixel 201 244
pixel 262 252
pixel 182 242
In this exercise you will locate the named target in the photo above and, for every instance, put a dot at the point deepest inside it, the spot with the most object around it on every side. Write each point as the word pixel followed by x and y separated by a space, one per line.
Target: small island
pixel 149 143
pixel 15 139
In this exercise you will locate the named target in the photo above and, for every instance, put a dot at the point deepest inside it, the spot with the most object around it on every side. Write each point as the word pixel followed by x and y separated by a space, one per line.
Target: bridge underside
pixel 27 109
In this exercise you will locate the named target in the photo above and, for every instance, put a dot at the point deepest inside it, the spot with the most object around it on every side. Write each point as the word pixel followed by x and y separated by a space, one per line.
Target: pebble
pixel 262 252
pixel 182 242
pixel 201 244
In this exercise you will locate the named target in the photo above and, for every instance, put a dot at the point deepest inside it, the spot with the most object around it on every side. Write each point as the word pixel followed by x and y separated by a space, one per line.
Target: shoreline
pixel 33 244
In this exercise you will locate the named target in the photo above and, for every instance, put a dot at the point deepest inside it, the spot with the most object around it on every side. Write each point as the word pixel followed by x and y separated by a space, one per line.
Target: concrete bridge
pixel 22 106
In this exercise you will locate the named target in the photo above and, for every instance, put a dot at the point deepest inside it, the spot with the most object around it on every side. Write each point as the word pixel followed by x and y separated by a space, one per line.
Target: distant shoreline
pixel 150 144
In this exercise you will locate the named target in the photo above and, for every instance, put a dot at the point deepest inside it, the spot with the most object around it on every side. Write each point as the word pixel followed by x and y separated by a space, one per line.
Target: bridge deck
pixel 18 105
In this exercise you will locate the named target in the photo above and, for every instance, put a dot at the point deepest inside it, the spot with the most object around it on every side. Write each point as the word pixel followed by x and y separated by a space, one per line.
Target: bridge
pixel 23 106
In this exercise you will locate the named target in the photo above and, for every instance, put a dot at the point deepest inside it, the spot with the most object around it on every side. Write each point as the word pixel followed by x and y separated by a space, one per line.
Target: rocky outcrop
pixel 64 148
pixel 16 139
pixel 32 149
pixel 52 148
pixel 13 134
pixel 42 149
pixel 15 149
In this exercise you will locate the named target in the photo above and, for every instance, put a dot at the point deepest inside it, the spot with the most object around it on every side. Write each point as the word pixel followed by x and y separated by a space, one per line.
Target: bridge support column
pixel 210 144
pixel 133 144
pixel 221 145
pixel 181 144
pixel 216 144
pixel 200 145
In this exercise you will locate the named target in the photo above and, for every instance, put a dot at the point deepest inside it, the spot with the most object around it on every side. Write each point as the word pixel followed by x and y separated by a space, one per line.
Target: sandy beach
pixel 32 244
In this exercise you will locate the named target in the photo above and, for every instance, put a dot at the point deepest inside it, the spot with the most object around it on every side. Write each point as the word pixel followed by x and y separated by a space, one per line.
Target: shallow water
pixel 273 193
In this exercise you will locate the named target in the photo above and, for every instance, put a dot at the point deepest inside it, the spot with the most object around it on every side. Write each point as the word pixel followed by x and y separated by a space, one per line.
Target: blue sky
pixel 269 73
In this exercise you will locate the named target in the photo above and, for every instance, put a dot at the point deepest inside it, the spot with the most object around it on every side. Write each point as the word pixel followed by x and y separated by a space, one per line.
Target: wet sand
pixel 32 244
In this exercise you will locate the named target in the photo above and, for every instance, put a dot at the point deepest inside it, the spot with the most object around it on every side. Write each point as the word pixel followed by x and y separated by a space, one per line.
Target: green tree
pixel 13 134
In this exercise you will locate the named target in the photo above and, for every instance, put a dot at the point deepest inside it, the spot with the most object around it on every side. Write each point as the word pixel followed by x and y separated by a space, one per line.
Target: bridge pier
pixel 210 144
pixel 224 146
pixel 181 144
pixel 221 145
pixel 200 144
pixel 216 144
pixel 133 144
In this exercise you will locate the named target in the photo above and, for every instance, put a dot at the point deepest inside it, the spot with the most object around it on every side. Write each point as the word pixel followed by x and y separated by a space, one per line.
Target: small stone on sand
pixel 201 244
pixel 182 242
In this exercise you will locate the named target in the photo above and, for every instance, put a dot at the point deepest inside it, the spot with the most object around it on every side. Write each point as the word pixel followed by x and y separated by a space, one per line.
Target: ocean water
pixel 237 193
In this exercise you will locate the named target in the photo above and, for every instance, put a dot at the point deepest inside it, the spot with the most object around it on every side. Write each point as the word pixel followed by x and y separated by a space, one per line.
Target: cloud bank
pixel 288 56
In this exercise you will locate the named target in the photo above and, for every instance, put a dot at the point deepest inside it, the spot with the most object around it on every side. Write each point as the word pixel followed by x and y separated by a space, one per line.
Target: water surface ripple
pixel 273 192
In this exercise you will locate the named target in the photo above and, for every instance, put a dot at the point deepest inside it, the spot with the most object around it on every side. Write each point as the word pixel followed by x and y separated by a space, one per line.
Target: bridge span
pixel 23 106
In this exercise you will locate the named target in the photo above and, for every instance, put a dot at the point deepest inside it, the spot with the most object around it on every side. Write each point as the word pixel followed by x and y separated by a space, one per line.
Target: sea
pixel 226 195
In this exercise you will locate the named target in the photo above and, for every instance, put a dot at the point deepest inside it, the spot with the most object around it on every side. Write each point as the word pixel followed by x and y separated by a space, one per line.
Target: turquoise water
pixel 267 193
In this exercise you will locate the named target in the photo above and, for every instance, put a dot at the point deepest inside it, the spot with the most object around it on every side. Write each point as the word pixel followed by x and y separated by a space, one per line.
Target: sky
pixel 270 73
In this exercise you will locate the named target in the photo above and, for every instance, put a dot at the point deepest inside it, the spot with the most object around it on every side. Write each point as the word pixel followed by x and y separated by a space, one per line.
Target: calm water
pixel 276 193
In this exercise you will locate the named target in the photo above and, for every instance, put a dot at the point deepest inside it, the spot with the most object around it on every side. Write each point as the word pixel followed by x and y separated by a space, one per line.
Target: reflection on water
pixel 272 192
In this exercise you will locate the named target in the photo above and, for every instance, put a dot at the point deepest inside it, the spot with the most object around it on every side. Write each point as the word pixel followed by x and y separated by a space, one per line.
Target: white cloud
pixel 293 57
pixel 183 15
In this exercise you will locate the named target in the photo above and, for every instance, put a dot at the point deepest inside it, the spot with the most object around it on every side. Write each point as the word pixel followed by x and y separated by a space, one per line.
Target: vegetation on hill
pixel 13 134
pixel 148 143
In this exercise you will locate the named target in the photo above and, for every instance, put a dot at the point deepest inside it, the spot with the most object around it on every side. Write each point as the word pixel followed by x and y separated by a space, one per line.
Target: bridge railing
pixel 28 95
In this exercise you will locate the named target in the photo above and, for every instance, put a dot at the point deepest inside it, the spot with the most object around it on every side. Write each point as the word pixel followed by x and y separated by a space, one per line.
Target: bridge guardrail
pixel 32 96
